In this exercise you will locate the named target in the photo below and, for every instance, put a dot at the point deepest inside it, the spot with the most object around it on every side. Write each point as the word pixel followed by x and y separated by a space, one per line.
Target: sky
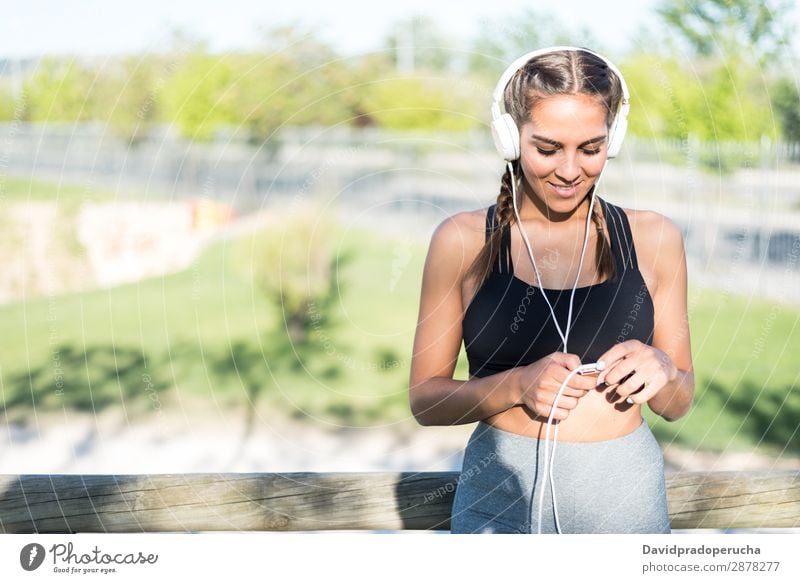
pixel 32 28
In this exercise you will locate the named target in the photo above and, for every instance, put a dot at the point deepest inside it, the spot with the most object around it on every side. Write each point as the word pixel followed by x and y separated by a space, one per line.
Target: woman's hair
pixel 566 72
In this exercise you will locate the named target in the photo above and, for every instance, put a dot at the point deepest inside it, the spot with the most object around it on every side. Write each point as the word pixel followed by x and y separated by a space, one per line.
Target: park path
pixel 107 443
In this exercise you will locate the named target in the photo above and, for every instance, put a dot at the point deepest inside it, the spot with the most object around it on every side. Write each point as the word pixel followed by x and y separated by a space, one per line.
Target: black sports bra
pixel 508 324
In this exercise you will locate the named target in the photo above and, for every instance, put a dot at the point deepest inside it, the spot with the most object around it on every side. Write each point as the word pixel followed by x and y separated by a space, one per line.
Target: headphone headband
pixel 504 130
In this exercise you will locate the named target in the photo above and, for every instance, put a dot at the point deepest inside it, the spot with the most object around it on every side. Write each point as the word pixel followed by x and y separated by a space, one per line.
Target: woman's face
pixel 563 148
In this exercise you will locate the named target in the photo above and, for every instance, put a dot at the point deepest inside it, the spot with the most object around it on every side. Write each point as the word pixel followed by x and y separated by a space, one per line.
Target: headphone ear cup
pixel 617 136
pixel 506 137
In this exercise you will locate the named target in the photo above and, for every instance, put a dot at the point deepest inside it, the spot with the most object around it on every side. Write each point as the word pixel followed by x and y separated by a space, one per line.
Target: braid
pixel 481 267
pixel 605 260
pixel 505 200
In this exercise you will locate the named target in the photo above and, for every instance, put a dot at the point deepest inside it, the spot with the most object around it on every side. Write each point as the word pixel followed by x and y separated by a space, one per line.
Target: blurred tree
pixel 293 264
pixel 734 103
pixel 661 96
pixel 418 43
pixel 196 96
pixel 7 103
pixel 298 82
pixel 786 101
pixel 501 40
pixel 751 28
pixel 355 80
pixel 712 101
pixel 127 95
pixel 60 91
pixel 419 103
pixel 736 46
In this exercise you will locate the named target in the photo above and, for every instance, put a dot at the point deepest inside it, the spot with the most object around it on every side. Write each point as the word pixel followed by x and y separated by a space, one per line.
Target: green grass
pixel 69 194
pixel 206 336
pixel 26 189
pixel 747 377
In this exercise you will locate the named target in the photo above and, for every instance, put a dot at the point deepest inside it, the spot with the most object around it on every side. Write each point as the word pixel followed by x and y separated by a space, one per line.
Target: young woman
pixel 512 283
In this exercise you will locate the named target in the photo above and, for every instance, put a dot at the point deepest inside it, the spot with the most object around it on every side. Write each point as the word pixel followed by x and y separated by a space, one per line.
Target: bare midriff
pixel 594 419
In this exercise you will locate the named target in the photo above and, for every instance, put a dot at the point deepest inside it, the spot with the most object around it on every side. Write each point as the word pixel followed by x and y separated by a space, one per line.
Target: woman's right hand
pixel 539 382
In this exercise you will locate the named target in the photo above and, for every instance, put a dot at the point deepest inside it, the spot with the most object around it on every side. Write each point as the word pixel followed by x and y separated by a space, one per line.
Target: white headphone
pixel 506 140
pixel 505 131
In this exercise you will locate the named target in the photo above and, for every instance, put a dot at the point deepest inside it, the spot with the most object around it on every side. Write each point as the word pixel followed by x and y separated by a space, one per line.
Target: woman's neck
pixel 535 209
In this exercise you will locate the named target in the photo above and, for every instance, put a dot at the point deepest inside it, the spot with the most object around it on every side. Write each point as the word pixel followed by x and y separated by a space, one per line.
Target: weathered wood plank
pixel 337 501
pixel 209 502
pixel 751 499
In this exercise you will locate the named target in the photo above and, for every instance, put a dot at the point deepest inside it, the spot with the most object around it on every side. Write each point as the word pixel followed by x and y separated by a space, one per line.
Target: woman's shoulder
pixel 463 226
pixel 460 236
pixel 654 229
pixel 658 242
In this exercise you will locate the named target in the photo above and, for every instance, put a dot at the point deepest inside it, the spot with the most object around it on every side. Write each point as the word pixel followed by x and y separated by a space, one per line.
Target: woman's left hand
pixel 647 367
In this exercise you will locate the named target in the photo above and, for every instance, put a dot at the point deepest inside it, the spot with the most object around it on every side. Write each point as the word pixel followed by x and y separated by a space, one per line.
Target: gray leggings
pixel 612 486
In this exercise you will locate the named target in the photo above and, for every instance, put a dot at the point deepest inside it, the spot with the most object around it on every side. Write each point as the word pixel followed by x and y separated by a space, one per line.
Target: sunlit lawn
pixel 207 335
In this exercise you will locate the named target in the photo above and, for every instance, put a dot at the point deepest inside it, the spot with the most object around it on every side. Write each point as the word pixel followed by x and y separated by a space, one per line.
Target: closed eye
pixel 551 152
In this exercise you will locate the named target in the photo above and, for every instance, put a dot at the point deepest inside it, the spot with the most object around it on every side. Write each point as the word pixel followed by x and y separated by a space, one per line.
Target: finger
pixel 603 374
pixel 621 369
pixel 554 386
pixel 645 394
pixel 622 381
pixel 566 360
pixel 633 384
pixel 572 392
pixel 583 383
pixel 576 381
pixel 564 402
pixel 619 351
pixel 560 414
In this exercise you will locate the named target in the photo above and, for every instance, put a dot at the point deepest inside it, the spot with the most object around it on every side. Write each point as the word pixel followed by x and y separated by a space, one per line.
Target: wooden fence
pixel 68 503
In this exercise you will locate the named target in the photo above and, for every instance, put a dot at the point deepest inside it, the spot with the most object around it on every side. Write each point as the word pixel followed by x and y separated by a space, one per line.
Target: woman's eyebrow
pixel 555 143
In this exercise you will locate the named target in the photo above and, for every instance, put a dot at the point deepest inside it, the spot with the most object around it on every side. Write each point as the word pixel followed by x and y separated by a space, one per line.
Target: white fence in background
pixel 738 204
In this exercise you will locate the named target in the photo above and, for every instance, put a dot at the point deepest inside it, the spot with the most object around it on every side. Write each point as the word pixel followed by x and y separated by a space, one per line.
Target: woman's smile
pixel 566 191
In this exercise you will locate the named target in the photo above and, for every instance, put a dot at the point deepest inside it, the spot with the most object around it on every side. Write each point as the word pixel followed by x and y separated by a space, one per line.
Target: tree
pixel 294 264
pixel 417 103
pixel 7 103
pixel 60 91
pixel 127 95
pixel 195 97
pixel 297 82
pixel 746 27
pixel 418 43
pixel 499 41
pixel 786 102
pixel 737 48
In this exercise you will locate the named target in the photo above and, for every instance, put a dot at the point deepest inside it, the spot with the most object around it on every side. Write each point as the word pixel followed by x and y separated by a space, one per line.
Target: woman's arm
pixel 659 373
pixel 444 401
pixel 671 334
pixel 675 399
pixel 435 397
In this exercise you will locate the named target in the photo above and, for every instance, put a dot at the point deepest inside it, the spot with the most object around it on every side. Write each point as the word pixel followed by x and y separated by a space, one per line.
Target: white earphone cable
pixel 548 460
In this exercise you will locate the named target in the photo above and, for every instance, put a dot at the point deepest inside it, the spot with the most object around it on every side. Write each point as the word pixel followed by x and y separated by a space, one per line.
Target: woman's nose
pixel 568 171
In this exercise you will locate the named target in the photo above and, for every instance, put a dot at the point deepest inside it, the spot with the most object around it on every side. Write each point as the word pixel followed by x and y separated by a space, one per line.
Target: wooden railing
pixel 67 503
